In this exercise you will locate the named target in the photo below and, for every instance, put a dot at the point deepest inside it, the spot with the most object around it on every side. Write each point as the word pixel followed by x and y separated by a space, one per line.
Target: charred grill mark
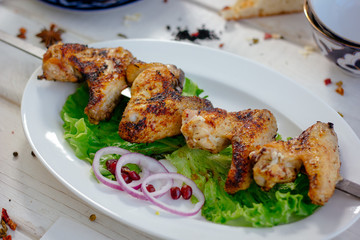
pixel 246 115
pixel 159 108
pixel 131 129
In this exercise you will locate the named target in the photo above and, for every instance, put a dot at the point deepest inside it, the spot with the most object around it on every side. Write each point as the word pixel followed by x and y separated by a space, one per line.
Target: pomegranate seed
pixel 186 192
pixel 327 81
pixel 175 193
pixel 150 188
pixel 111 165
pixel 125 170
pixel 126 178
pixel 133 175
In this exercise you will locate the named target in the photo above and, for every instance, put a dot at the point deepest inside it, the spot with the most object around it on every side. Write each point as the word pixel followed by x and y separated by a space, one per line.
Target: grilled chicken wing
pixel 215 129
pixel 276 162
pixel 316 148
pixel 156 105
pixel 103 69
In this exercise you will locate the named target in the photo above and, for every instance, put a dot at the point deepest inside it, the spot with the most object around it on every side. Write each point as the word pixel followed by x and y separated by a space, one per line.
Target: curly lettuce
pixel 253 207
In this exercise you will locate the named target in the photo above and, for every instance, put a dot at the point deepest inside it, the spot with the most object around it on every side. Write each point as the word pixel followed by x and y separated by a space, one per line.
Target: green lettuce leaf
pixel 86 138
pixel 253 207
pixel 191 88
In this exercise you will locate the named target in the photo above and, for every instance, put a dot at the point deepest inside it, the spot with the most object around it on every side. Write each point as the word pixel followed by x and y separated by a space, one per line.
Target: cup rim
pixel 325 26
pixel 335 37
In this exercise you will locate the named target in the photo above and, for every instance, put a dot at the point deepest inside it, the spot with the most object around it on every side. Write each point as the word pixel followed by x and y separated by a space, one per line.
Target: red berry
pixel 175 193
pixel 150 188
pixel 126 178
pixel 111 165
pixel 186 192
pixel 133 175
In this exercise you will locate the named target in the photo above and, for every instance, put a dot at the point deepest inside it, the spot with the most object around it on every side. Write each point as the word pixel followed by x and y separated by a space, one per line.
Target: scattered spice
pixel 253 41
pixel 22 33
pixel 92 217
pixel 3 233
pixel 221 45
pixel 168 27
pixel 339 83
pixel 327 81
pixel 122 35
pixel 340 114
pixel 7 219
pixel 12 132
pixel 15 154
pixel 268 36
pixel 50 36
pixel 33 154
pixel 340 91
pixel 4 227
pixel 277 36
pixel 200 34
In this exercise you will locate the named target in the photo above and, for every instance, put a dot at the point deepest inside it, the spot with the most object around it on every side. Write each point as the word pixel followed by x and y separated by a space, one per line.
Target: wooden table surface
pixel 32 195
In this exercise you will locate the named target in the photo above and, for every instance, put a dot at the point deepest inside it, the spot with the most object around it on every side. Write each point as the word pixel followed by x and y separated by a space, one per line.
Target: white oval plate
pixel 233 83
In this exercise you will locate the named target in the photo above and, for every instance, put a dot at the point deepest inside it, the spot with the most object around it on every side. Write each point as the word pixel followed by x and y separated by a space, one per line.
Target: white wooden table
pixel 32 196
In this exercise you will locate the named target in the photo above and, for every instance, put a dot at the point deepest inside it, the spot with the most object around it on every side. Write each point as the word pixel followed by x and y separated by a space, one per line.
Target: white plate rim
pixel 201 227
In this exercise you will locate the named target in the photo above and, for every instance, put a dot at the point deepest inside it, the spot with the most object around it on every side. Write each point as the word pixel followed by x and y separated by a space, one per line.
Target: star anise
pixel 51 36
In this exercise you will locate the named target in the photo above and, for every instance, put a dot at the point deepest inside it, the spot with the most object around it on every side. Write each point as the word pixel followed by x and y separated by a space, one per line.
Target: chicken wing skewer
pixel 316 149
pixel 156 105
pixel 103 69
pixel 215 129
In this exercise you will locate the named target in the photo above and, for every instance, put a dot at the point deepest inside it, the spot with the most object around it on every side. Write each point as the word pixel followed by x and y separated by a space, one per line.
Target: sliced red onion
pixel 168 165
pixel 148 165
pixel 96 165
pixel 174 176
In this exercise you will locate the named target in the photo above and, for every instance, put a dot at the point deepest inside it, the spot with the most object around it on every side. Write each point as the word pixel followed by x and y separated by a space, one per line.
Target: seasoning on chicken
pixel 156 105
pixel 103 69
pixel 215 129
pixel 316 148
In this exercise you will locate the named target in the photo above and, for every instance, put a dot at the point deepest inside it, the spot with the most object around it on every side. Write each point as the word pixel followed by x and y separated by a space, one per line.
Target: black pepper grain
pixel 15 154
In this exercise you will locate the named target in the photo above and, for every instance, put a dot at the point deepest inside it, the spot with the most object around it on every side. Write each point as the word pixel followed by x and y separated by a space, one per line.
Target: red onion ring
pixel 196 192
pixel 148 165
pixel 96 165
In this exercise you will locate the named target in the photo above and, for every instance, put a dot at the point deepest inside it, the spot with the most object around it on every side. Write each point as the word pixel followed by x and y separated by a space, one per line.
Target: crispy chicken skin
pixel 316 149
pixel 103 69
pixel 215 129
pixel 156 105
